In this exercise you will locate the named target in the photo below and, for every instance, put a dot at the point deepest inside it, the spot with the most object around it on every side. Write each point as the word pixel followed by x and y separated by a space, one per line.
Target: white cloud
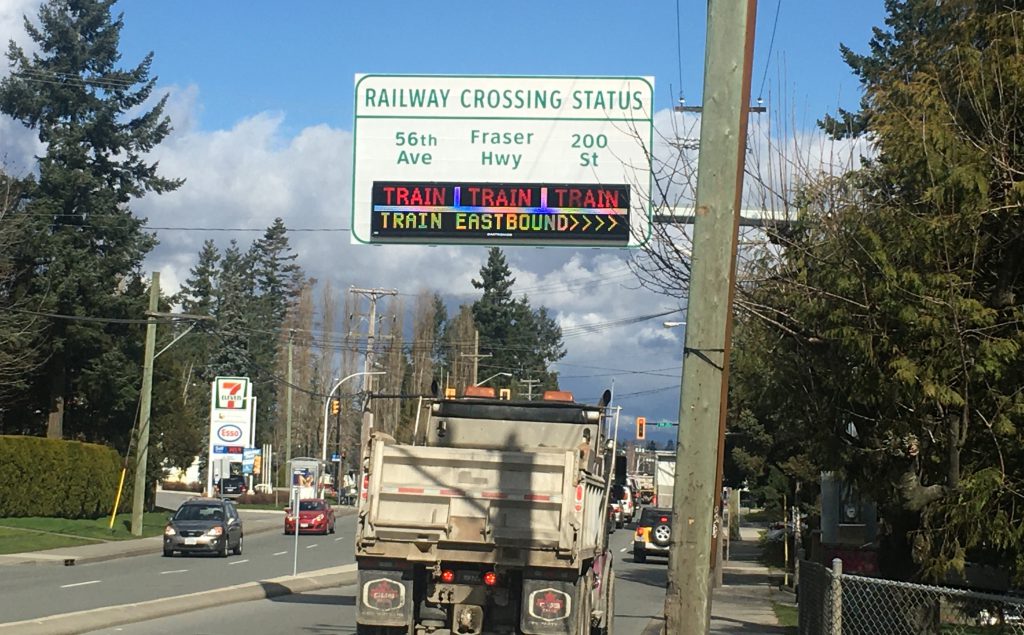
pixel 246 175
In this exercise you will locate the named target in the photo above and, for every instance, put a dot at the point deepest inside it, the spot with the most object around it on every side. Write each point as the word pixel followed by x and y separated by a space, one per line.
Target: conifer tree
pixel 84 246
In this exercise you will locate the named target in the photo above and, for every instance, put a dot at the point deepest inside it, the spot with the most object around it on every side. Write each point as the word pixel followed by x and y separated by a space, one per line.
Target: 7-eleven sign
pixel 230 393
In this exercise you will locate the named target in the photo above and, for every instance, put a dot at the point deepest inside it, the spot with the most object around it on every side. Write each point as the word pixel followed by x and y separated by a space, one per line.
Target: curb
pixel 108 616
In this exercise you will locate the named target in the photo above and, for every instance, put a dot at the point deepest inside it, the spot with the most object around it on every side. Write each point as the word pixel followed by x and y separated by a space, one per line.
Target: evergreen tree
pixel 19 354
pixel 895 316
pixel 519 339
pixel 197 293
pixel 233 299
pixel 84 245
pixel 277 284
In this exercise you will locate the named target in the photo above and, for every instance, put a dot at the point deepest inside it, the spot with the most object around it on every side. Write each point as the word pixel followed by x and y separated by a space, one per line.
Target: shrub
pixel 259 498
pixel 178 486
pixel 57 478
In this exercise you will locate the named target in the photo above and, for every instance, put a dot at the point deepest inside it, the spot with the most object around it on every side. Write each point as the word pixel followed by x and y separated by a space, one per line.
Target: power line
pixel 88 318
pixel 679 52
pixel 771 44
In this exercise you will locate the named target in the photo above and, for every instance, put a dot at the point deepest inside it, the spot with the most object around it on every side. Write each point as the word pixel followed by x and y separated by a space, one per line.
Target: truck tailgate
pixel 466 496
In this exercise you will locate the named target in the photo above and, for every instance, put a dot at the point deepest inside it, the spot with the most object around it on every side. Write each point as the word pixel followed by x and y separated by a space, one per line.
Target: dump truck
pixel 493 520
pixel 664 478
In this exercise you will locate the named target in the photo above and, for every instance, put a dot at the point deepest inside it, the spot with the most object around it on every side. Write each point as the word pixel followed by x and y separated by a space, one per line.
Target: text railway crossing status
pixel 502 160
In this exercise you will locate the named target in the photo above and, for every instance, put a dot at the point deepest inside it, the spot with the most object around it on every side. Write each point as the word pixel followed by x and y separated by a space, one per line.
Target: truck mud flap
pixel 385 598
pixel 547 607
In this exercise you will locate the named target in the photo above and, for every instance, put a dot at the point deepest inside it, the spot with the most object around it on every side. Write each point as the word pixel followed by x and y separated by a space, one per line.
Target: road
pixel 38 591
pixel 640 592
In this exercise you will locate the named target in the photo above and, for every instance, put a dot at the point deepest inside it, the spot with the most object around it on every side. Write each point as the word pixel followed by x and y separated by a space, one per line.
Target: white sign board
pixel 232 421
pixel 502 160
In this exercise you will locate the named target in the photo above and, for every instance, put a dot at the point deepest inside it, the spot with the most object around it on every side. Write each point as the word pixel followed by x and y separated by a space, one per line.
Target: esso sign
pixel 229 433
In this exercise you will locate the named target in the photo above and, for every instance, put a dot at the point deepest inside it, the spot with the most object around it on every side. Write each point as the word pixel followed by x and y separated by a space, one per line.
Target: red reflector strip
pixel 537 497
pixel 452 492
pixel 497 495
pixel 410 490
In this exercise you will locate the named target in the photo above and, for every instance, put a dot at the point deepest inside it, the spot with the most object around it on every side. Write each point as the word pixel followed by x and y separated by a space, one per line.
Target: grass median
pixel 18 535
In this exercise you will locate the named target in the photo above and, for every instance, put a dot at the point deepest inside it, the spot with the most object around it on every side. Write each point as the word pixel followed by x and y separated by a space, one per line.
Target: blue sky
pixel 299 58
pixel 261 101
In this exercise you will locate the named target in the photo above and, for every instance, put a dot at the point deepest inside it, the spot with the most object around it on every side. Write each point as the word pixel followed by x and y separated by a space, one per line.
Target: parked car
pixel 232 486
pixel 653 532
pixel 315 517
pixel 209 525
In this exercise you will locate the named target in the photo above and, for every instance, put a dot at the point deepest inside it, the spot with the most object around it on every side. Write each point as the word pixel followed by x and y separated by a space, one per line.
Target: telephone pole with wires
pixel 373 295
pixel 476 356
pixel 696 500
pixel 529 383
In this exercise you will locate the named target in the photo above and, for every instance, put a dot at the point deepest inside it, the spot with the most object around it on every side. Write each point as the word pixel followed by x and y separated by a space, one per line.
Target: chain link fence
pixel 832 603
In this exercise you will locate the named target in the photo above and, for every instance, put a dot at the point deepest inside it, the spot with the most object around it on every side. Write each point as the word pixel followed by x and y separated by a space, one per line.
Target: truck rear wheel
pixel 585 604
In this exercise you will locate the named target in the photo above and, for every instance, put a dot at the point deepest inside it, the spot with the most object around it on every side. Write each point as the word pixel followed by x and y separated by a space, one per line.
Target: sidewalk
pixel 254 521
pixel 744 602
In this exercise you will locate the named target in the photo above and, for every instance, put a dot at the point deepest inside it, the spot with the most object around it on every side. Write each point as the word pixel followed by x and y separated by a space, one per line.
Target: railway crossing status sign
pixel 502 160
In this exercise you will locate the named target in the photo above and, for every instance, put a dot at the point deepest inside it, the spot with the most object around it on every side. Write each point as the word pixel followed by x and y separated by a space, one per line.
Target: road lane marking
pixel 280 553
pixel 174 571
pixel 310 546
pixel 68 586
pixel 238 562
pixel 337 539
pixel 624 550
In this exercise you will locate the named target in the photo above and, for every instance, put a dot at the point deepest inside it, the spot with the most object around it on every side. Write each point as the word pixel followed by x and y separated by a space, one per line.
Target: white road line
pixel 238 561
pixel 310 546
pixel 280 553
pixel 174 571
pixel 624 550
pixel 68 586
pixel 337 539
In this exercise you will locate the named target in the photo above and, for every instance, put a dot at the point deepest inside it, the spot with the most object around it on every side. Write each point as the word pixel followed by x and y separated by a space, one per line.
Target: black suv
pixel 653 532
pixel 208 525
pixel 232 486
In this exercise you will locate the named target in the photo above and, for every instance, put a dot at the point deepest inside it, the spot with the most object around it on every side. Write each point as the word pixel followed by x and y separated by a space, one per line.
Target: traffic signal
pixel 335 406
pixel 641 428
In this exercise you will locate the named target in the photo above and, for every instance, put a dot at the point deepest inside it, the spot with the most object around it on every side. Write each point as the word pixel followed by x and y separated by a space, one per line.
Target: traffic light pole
pixel 723 133
pixel 327 406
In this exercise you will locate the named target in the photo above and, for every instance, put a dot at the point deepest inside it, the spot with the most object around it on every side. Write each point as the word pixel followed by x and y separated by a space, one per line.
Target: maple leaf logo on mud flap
pixel 549 605
pixel 384 595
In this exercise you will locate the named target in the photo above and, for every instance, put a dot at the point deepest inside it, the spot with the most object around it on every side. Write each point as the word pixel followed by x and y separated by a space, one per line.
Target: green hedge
pixel 55 478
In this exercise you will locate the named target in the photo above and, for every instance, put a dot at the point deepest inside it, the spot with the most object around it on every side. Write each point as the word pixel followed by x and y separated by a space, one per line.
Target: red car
pixel 315 517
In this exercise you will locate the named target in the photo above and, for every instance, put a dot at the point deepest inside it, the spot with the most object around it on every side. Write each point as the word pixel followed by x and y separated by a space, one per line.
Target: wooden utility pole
pixel 529 383
pixel 371 331
pixel 476 356
pixel 696 500
pixel 145 405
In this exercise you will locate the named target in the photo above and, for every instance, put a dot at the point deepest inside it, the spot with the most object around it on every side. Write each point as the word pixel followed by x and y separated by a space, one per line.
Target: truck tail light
pixel 490 578
pixel 447 576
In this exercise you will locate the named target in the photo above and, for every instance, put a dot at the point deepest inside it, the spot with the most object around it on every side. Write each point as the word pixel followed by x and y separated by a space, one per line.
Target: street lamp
pixel 484 381
pixel 670 325
pixel 327 405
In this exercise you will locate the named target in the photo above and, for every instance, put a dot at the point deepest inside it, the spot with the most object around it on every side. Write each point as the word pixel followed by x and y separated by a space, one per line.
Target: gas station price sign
pixel 502 160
